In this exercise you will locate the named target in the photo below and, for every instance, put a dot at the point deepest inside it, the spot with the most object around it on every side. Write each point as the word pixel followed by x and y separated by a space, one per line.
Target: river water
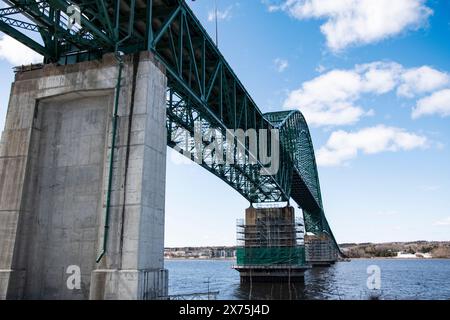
pixel 400 279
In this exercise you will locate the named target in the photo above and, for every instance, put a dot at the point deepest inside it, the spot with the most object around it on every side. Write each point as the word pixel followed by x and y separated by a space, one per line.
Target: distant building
pixel 200 253
pixel 417 255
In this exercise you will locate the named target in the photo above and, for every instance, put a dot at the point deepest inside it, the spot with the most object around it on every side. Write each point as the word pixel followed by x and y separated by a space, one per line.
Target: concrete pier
pixel 269 248
pixel 272 274
pixel 54 172
pixel 320 251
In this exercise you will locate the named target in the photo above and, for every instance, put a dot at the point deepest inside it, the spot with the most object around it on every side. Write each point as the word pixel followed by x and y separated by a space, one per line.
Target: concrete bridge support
pixel 54 182
pixel 268 246
pixel 320 250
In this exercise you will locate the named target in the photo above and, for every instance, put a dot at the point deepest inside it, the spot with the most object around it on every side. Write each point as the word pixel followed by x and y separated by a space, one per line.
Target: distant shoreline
pixel 233 259
pixel 200 259
pixel 435 250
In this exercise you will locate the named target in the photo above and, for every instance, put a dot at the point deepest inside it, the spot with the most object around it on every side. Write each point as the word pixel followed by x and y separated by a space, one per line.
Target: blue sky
pixel 373 80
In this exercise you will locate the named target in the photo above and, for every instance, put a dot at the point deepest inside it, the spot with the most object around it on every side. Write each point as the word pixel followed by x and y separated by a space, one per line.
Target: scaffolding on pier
pixel 270 237
pixel 320 248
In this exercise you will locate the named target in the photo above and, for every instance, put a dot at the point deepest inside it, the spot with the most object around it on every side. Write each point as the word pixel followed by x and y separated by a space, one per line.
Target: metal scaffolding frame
pixel 270 237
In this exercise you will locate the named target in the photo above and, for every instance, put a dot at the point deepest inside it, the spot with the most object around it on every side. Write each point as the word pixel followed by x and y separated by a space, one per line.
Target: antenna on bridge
pixel 216 21
pixel 217 25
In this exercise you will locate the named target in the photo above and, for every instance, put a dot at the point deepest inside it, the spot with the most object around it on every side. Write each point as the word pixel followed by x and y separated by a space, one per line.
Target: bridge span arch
pixel 296 141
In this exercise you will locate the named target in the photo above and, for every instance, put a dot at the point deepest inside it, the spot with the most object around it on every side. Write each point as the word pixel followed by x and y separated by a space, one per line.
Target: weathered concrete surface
pixel 54 167
pixel 320 250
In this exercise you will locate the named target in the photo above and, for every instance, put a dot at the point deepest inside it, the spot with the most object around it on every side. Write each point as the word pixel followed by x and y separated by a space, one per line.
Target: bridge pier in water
pixel 320 250
pixel 269 248
pixel 59 209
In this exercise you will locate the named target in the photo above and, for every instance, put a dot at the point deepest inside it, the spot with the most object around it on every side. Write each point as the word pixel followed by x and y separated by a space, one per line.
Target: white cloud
pixel 422 80
pixel 379 77
pixel 356 22
pixel 281 64
pixel 320 68
pixel 343 146
pixel 333 108
pixel 429 188
pixel 437 103
pixel 332 97
pixel 16 53
pixel 443 222
pixel 221 15
pixel 343 88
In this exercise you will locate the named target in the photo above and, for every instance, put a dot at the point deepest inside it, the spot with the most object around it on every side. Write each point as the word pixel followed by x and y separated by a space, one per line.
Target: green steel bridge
pixel 202 87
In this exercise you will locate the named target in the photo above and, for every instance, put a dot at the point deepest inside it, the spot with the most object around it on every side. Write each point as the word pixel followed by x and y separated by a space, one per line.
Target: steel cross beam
pixel 51 23
pixel 244 178
pixel 14 33
pixel 201 77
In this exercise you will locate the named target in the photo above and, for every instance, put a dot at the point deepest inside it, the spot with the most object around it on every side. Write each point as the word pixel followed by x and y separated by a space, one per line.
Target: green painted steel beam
pixel 20 24
pixel 100 34
pixel 14 33
pixel 50 27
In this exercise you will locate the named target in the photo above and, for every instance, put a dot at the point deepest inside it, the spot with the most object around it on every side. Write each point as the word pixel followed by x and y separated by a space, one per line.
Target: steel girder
pixel 183 118
pixel 203 87
pixel 50 20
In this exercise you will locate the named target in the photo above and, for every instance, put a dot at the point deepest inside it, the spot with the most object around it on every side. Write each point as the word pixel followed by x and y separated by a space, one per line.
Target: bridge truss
pixel 202 87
